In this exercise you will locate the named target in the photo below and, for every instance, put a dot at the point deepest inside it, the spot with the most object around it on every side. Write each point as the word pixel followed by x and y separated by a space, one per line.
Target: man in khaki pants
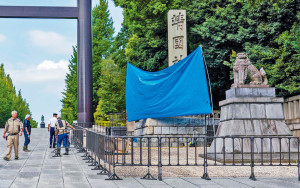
pixel 13 127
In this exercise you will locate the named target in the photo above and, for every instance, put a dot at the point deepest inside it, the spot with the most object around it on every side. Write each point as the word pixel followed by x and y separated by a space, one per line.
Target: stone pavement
pixel 39 169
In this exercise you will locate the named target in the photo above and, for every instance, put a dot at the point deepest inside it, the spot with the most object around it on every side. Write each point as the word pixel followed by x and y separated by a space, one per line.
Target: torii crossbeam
pixel 84 43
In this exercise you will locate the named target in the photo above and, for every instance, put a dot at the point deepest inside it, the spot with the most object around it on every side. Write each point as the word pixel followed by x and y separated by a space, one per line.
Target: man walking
pixel 51 127
pixel 27 132
pixel 62 135
pixel 13 127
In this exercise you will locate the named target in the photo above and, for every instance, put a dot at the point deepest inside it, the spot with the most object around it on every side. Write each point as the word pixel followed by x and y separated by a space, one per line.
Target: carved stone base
pixel 249 86
pixel 251 112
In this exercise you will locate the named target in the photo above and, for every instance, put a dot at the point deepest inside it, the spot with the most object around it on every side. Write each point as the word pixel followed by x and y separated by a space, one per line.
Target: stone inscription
pixel 177 45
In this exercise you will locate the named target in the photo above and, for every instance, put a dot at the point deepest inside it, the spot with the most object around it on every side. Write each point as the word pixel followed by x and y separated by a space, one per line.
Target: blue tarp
pixel 178 90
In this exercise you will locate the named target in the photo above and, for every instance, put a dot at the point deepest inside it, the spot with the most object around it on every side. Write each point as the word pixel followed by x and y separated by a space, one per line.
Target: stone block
pixel 165 122
pixel 138 132
pixel 249 129
pixel 220 129
pixel 130 126
pixel 282 128
pixel 257 111
pixel 151 122
pixel 268 127
pixel 296 133
pixel 251 100
pixel 189 130
pixel 149 130
pixel 140 124
pixel 173 130
pixel 182 121
pixel 250 92
pixel 232 127
pixel 226 112
pixel 199 130
pixel 182 130
pixel 236 127
pixel 286 110
pixel 165 130
pixel 296 110
pixel 241 111
pixel 290 110
pixel 257 125
pixel 274 111
pixel 157 130
pixel 296 126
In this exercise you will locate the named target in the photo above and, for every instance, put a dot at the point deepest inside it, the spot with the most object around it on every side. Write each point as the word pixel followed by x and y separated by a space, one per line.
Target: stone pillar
pixel 292 112
pixel 286 110
pixel 296 109
pixel 177 45
pixel 84 62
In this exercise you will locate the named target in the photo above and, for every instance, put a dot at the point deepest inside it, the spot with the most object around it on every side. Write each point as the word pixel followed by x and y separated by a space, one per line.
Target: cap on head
pixel 27 116
pixel 58 116
pixel 54 114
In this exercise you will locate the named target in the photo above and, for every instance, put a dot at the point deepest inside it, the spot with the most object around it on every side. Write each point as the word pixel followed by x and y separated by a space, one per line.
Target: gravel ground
pixel 192 170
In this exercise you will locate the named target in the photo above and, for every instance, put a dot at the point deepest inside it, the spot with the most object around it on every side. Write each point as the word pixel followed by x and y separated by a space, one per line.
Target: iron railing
pixel 107 153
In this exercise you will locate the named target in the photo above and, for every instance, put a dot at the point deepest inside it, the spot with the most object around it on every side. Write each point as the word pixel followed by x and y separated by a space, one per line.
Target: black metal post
pixel 252 176
pixel 205 174
pixel 84 62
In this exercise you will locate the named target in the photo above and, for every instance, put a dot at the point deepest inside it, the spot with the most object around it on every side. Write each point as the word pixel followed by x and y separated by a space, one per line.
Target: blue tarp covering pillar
pixel 178 90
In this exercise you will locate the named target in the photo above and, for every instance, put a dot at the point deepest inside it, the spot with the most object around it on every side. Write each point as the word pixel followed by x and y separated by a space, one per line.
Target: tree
pixel 112 90
pixel 69 101
pixel 10 101
pixel 222 27
pixel 103 31
pixel 102 44
pixel 147 46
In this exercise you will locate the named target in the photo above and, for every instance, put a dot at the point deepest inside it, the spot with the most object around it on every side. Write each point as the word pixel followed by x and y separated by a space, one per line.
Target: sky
pixel 36 54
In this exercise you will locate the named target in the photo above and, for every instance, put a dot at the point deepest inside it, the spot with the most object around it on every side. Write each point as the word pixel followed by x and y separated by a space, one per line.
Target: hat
pixel 55 114
pixel 27 116
pixel 59 117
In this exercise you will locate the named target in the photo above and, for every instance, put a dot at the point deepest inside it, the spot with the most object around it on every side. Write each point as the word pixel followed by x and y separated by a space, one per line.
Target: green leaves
pixel 69 101
pixel 10 100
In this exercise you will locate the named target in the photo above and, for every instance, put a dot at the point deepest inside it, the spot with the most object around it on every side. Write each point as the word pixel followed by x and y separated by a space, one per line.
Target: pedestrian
pixel 27 132
pixel 51 128
pixel 13 127
pixel 61 134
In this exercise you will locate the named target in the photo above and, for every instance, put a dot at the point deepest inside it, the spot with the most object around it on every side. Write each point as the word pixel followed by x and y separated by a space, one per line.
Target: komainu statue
pixel 243 70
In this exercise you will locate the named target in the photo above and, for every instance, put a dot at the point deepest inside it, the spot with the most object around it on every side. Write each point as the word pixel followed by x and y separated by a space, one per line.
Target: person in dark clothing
pixel 27 132
pixel 51 128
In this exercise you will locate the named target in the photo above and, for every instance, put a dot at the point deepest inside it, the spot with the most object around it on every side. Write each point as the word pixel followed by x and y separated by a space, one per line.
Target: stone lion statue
pixel 243 69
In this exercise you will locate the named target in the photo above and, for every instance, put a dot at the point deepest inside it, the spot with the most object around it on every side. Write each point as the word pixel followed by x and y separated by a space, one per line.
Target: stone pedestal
pixel 251 112
pixel 174 127
pixel 42 125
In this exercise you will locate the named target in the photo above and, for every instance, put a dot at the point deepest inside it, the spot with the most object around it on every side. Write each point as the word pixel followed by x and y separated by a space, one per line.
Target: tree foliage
pixel 104 45
pixel 111 91
pixel 103 31
pixel 11 100
pixel 69 101
pixel 267 30
pixel 223 28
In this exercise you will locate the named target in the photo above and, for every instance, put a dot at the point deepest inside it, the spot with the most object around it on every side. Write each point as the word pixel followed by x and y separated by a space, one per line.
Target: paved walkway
pixel 39 169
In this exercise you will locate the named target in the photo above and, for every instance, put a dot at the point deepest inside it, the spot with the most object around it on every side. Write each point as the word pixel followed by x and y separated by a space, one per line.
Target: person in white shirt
pixel 51 128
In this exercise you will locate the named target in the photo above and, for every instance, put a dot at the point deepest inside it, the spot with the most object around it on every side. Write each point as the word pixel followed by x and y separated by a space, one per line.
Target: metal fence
pixel 107 153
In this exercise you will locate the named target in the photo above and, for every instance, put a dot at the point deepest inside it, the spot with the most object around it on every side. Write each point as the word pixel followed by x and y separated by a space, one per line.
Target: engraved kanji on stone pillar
pixel 177 45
